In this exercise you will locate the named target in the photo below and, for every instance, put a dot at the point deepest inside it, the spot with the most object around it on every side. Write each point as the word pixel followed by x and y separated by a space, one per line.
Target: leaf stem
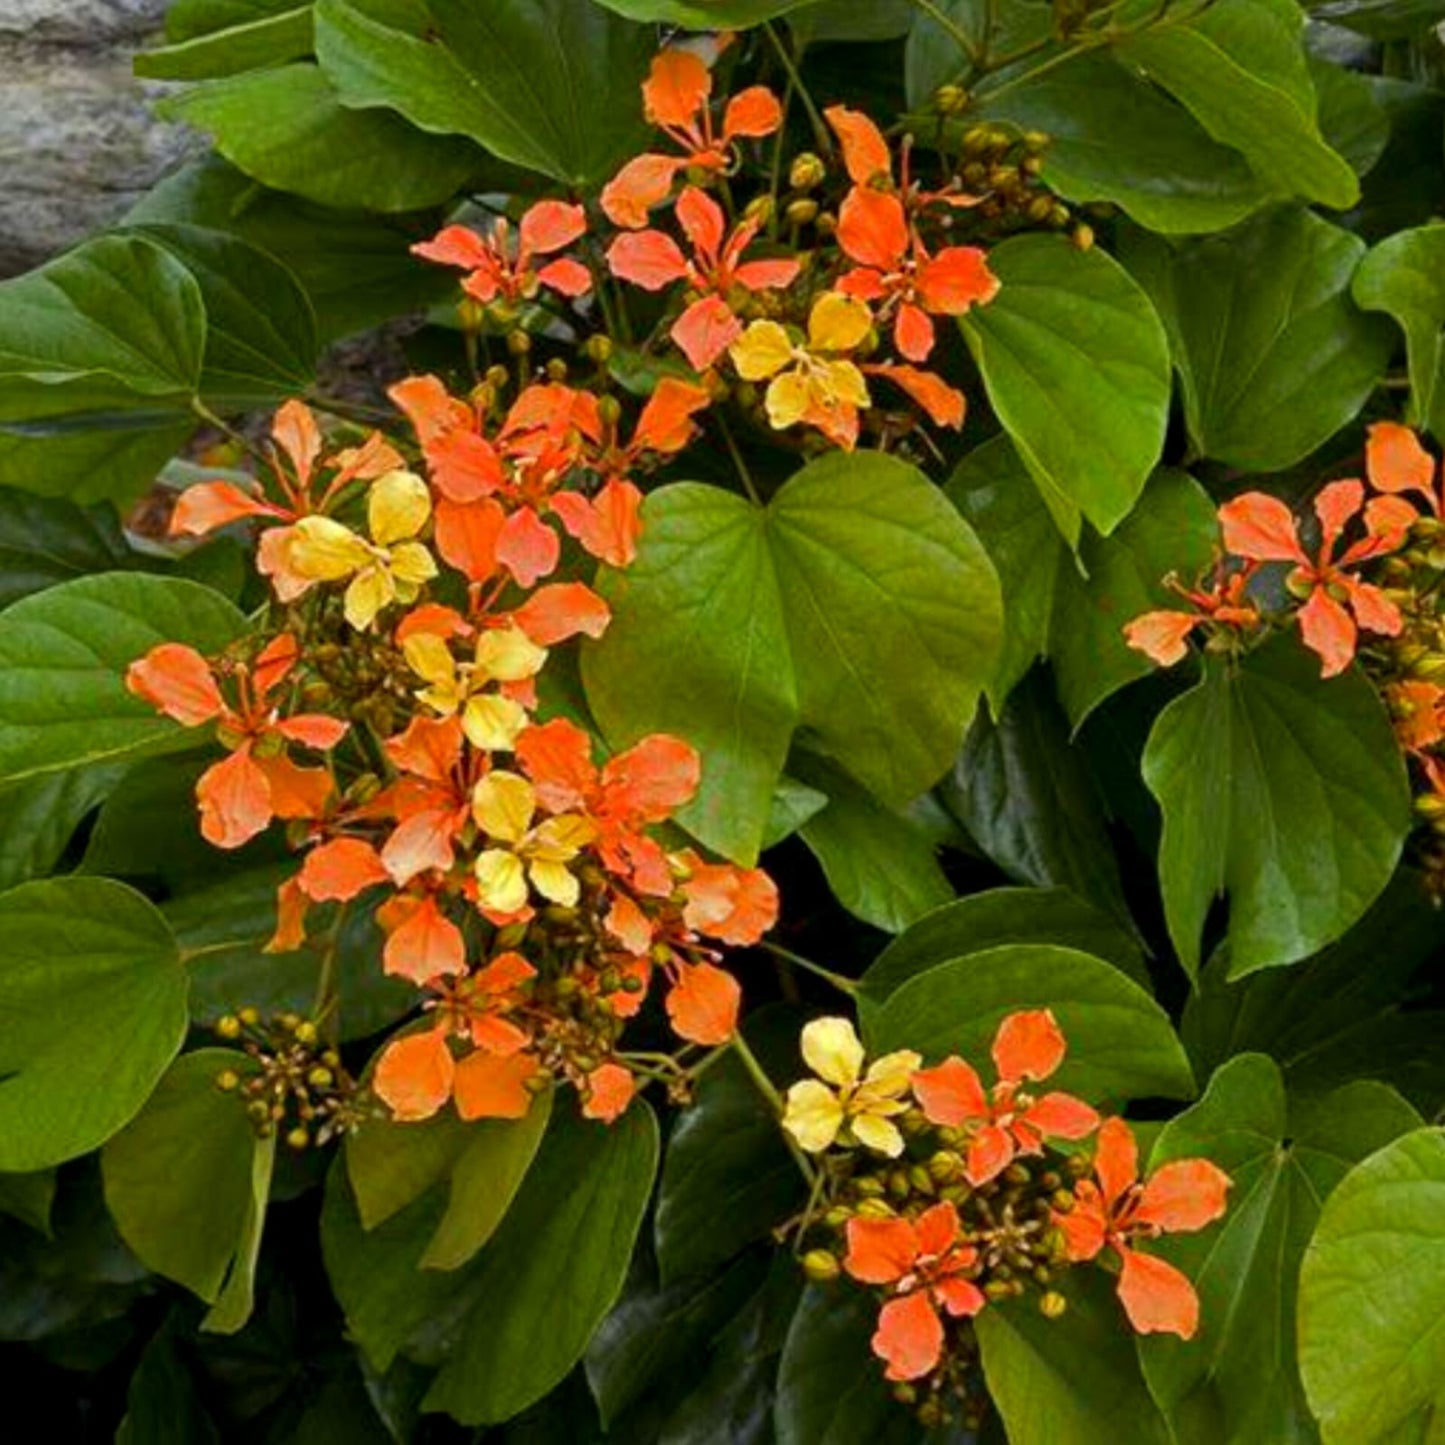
pixel 821 137
pixel 738 461
pixel 952 28
pixel 765 1087
pixel 847 985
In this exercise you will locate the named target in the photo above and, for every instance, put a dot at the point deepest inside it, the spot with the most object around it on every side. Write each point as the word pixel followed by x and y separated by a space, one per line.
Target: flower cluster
pixel 388 711
pixel 945 1194
pixel 1366 586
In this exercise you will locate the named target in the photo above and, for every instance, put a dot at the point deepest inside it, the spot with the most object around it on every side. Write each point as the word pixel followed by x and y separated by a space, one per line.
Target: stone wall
pixel 77 142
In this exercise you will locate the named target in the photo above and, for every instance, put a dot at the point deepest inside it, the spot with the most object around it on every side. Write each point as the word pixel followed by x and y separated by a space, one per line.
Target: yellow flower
pixel 858 1104
pixel 504 806
pixel 390 568
pixel 503 654
pixel 813 382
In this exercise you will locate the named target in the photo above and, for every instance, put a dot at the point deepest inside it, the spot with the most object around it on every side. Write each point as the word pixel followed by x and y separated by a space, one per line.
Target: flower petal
pixel 1028 1045
pixel 492 1086
pixel 909 1336
pixel 951 1094
pixel 1158 1298
pixel 414 1075
pixel 832 1049
pixel 703 1005
pixel 1183 1196
pixel 812 1115
pixel 881 1250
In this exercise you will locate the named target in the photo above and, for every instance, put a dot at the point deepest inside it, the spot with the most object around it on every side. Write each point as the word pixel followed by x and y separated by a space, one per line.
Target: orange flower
pixel 652 259
pixel 943 403
pixel 1396 462
pixel 1163 636
pixel 422 943
pixel 610 1088
pixel 496 266
pixel 703 1003
pixel 1178 1198
pixel 1006 1121
pixel 643 785
pixel 928 1262
pixel 675 97
pixel 734 905
pixel 1418 708
pixel 416 1076
pixel 240 795
pixel 1262 529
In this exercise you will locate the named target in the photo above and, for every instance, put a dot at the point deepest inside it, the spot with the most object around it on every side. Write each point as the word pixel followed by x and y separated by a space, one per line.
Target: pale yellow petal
pixel 367 593
pixel 507 654
pixel 846 383
pixel 324 551
pixel 812 1115
pixel 877 1134
pixel 888 1077
pixel 560 839
pixel 431 659
pixel 503 804
pixel 554 882
pixel 412 565
pixel 493 723
pixel 838 322
pixel 761 351
pixel 832 1050
pixel 501 881
pixel 787 399
pixel 397 507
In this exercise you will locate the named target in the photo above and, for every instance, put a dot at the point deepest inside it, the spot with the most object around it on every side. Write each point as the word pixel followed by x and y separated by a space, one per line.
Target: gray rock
pixel 78 143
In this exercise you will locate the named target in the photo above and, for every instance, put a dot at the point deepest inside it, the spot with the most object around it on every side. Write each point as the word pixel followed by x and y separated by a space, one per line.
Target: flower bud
pixel 1052 1304
pixel 801 211
pixel 228 1026
pixel 228 1080
pixel 298 1139
pixel 249 1016
pixel 821 1265
pixel 519 343
pixel 806 172
pixel 305 1031
pixel 1082 237
pixel 950 99
pixel 875 1209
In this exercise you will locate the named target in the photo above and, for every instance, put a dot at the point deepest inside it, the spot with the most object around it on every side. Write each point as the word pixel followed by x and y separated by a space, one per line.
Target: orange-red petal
pixel 1061 1116
pixel 909 1336
pixel 492 1086
pixel 550 225
pixel 1261 528
pixel 956 279
pixel 177 680
pixel 1116 1160
pixel 208 505
pixel 880 1250
pixel 666 423
pixel 425 946
pixel 1158 1298
pixel 703 1004
pixel 1329 631
pixel 951 1094
pixel 527 547
pixel 753 113
pixel 1162 636
pixel 414 1075
pixel 1396 462
pixel 1183 1196
pixel 865 152
pixel 235 800
pixel 610 1089
pixel 339 870
pixel 649 259
pixel 990 1151
pixel 872 228
pixel 562 610
pixel 1029 1045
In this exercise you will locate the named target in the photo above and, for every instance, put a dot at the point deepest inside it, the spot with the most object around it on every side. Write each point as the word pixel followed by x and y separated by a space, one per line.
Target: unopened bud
pixel 228 1026
pixel 1082 237
pixel 298 1139
pixel 519 343
pixel 950 99
pixel 248 1016
pixel 806 172
pixel 228 1080
pixel 1052 1304
pixel 801 211
pixel 305 1032
pixel 821 1265
pixel 875 1209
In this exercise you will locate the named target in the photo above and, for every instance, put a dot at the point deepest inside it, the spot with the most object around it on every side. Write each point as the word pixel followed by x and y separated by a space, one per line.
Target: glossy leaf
pixel 287 128
pixel 1374 1375
pixel 1239 67
pixel 1076 366
pixel 39 816
pixel 1023 791
pixel 1049 1378
pixel 64 1090
pixel 1283 791
pixel 178 1176
pixel 1404 276
pixel 1072 608
pixel 46 540
pixel 1121 1044
pixel 267 40
pixel 705 14
pixel 879 864
pixel 553 1269
pixel 63 657
pixel 1236 1381
pixel 857 606
pixel 550 85
pixel 992 919
pixel 1272 298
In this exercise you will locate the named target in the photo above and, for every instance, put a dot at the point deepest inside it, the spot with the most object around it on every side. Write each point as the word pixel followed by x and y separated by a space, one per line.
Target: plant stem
pixel 326 979
pixel 821 136
pixel 738 461
pixel 847 985
pixel 765 1087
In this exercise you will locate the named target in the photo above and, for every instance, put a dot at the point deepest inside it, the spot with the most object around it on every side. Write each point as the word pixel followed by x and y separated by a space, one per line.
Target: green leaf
pixel 39 816
pixel 1072 608
pixel 1115 137
pixel 178 1176
pixel 1374 1362
pixel 551 85
pixel 727 1178
pixel 63 658
pixel 1239 67
pixel 1236 1381
pixel 1121 1044
pixel 553 1269
pixel 261 341
pixel 881 867
pixel 1352 120
pixel 1023 792
pixel 191 19
pixel 233 1307
pixel 1286 792
pixel 391 1165
pixel 1077 367
pixel 269 40
pixel 92 458
pixel 45 540
pixel 988 920
pixel 1271 298
pixel 1404 276
pixel 356 268
pixel 287 128
pixel 116 322
pixel 1340 1015
pixel 857 606
pixel 29 1197
pixel 64 1089
pixel 163 1406
pixel 1382 19
pixel 830 1389
pixel 705 14
pixel 1073 1379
